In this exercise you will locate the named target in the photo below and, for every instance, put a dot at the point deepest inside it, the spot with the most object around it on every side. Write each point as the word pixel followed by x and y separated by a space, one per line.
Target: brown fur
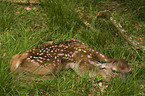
pixel 51 58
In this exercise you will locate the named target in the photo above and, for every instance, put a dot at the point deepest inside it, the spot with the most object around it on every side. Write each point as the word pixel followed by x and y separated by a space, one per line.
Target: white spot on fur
pixel 40 57
pixel 105 59
pixel 89 56
pixel 80 49
pixel 44 58
pixel 41 54
pixel 72 59
pixel 35 57
pixel 41 61
pixel 46 48
pixel 60 54
pixel 85 51
pixel 66 46
pixel 103 56
pixel 68 55
pixel 32 60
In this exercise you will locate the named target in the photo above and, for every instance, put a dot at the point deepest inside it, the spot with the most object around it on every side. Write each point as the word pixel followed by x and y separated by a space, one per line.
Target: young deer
pixel 51 58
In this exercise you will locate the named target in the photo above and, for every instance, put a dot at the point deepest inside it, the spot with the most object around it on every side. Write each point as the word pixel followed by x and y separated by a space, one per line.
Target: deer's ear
pixel 98 64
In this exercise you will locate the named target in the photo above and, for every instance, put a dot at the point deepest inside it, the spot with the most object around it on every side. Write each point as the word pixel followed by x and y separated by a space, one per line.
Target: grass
pixel 23 26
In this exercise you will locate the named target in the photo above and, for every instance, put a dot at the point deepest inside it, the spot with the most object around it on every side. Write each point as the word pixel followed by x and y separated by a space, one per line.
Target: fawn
pixel 51 58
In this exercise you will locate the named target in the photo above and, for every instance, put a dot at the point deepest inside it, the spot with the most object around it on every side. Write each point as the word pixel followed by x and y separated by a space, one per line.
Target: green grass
pixel 57 20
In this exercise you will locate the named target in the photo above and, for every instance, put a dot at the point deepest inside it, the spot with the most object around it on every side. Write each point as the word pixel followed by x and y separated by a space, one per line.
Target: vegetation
pixel 25 25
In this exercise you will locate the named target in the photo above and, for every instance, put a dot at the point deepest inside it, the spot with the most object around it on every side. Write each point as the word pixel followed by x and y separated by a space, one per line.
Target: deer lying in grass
pixel 51 58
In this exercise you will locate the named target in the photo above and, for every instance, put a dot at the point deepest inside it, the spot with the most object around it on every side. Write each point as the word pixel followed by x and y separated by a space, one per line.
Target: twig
pixel 106 14
pixel 130 40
